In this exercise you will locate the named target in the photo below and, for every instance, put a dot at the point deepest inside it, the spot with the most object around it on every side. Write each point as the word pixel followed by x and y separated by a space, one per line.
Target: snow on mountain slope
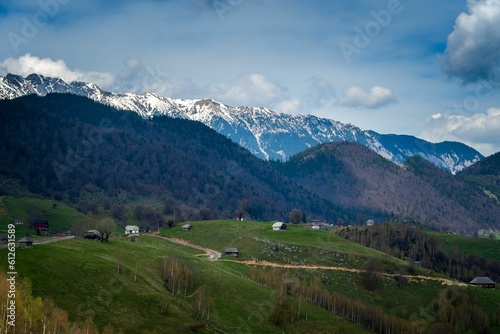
pixel 267 134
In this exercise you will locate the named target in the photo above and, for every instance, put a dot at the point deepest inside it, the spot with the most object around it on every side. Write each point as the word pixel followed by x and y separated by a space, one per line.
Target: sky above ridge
pixel 425 68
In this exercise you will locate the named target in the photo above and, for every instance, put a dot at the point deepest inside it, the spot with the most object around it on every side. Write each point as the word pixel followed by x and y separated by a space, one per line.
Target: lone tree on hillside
pixel 370 274
pixel 241 212
pixel 295 216
pixel 106 226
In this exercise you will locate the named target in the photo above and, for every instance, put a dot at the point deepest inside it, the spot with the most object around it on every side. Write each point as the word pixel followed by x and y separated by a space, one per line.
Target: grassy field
pixel 119 283
pixel 485 247
pixel 257 240
pixel 60 216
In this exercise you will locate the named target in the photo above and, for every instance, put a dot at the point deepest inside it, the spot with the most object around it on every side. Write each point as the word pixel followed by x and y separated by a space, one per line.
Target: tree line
pixel 411 243
pixel 452 312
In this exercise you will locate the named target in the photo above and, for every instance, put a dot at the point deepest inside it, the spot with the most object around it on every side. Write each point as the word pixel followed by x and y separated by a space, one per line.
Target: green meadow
pixel 125 284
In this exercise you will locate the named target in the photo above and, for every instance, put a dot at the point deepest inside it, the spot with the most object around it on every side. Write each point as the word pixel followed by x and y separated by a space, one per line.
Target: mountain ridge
pixel 265 133
pixel 71 148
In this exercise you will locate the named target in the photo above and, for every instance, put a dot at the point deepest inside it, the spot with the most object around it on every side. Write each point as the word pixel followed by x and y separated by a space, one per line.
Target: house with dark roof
pixel 484 282
pixel 232 251
pixel 279 226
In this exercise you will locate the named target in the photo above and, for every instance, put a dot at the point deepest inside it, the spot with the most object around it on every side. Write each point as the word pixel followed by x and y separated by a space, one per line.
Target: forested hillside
pixel 88 155
pixel 485 174
pixel 409 242
pixel 72 149
pixel 354 176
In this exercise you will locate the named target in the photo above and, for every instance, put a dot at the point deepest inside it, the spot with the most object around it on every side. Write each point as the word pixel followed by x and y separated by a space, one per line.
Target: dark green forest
pixel 72 149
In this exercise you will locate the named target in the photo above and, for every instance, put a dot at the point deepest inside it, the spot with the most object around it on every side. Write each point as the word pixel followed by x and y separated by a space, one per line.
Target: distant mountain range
pixel 265 133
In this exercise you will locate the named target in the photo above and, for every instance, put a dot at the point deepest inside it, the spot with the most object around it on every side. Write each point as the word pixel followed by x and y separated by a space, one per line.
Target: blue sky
pixel 426 68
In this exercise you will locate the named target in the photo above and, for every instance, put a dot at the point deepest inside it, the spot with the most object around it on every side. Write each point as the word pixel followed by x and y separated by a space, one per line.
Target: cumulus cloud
pixel 288 106
pixel 377 97
pixel 473 48
pixel 135 77
pixel 478 130
pixel 249 89
pixel 28 64
pixel 319 94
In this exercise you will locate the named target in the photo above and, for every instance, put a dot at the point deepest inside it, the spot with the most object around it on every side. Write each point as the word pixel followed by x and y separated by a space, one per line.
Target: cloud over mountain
pixel 377 97
pixel 320 93
pixel 479 128
pixel 249 89
pixel 28 64
pixel 473 48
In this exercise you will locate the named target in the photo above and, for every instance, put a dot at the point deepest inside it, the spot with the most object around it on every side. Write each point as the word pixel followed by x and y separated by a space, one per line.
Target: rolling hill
pixel 123 285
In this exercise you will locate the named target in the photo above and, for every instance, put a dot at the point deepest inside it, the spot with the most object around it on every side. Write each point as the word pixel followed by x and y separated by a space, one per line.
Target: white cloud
pixel 288 106
pixel 478 130
pixel 377 97
pixel 473 48
pixel 135 77
pixel 249 89
pixel 28 64
pixel 320 93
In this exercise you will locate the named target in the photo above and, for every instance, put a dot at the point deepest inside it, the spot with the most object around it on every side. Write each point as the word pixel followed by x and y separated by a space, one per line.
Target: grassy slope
pixel 119 282
pixel 257 240
pixel 94 279
pixel 485 247
pixel 60 216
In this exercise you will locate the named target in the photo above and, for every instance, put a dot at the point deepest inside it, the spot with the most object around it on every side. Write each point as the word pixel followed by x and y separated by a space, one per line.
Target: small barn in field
pixel 279 226
pixel 484 282
pixel 232 251
pixel 25 242
pixel 187 227
pixel 131 229
pixel 93 235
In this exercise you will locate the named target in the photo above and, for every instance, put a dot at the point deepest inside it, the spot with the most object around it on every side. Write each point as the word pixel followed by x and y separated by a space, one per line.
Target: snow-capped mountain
pixel 267 134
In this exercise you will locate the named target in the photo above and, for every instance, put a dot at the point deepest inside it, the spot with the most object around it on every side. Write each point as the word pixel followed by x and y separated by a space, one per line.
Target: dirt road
pixel 213 255
pixel 445 281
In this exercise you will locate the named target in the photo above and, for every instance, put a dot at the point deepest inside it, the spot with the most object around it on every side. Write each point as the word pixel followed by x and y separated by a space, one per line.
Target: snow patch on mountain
pixel 267 134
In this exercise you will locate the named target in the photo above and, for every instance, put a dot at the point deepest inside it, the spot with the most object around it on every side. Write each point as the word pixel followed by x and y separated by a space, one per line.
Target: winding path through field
pixel 213 255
